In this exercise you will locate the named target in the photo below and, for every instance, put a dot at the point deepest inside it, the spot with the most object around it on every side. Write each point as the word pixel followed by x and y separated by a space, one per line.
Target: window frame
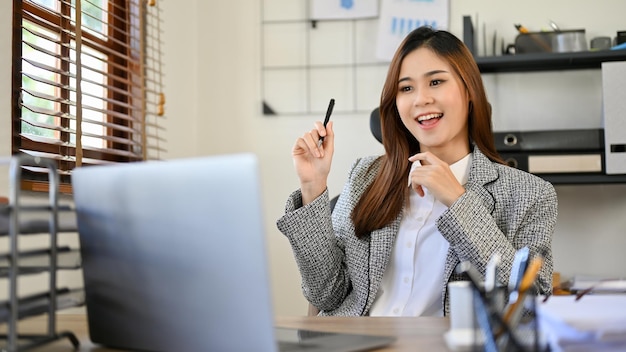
pixel 125 99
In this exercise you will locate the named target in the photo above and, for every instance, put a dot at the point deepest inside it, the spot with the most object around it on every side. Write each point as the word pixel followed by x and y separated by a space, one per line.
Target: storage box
pixel 557 42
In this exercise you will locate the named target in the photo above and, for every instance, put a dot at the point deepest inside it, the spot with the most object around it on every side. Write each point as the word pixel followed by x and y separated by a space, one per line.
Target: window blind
pixel 87 89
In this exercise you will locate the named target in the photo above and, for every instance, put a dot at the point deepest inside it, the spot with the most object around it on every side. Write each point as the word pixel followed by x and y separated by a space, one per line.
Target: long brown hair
pixel 385 197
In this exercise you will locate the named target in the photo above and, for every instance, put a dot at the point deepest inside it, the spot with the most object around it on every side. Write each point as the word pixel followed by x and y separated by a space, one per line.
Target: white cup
pixel 461 305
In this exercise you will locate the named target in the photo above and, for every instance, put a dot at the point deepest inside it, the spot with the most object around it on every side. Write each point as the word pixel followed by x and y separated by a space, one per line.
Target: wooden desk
pixel 413 334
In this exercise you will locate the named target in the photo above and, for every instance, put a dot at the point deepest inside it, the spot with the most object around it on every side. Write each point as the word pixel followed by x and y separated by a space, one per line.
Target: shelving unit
pixel 43 219
pixel 580 179
pixel 536 62
pixel 533 62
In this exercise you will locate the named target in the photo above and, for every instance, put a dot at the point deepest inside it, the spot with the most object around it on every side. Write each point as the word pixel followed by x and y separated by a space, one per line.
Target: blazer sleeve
pixel 500 218
pixel 318 253
pixel 328 254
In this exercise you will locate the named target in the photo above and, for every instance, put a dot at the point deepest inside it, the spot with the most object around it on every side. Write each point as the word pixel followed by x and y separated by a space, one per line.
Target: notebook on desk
pixel 174 259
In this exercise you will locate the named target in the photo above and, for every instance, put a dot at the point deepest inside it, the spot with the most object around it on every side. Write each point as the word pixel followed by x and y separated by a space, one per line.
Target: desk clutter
pixel 584 314
pixel 486 315
pixel 595 322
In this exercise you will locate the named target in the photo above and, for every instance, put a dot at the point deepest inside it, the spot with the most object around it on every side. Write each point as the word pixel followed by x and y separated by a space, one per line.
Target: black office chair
pixel 375 125
pixel 376 132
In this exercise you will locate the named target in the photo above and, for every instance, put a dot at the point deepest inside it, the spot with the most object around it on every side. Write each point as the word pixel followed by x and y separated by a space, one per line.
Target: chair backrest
pixel 375 125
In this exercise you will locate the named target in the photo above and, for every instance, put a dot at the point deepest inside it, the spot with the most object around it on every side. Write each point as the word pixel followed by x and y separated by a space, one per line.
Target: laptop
pixel 174 259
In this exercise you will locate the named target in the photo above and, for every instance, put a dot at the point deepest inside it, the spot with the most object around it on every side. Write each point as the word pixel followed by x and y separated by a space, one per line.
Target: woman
pixel 440 195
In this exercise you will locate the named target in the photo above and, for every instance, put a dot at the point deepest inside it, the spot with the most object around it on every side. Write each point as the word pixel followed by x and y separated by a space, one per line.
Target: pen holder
pixel 505 326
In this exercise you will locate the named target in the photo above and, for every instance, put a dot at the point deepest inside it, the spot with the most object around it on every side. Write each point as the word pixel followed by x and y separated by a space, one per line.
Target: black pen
pixel 329 111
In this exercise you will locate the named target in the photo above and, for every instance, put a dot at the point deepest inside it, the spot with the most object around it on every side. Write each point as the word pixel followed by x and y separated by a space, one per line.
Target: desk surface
pixel 413 334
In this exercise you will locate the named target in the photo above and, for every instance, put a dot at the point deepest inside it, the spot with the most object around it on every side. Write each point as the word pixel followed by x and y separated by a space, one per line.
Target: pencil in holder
pixel 506 327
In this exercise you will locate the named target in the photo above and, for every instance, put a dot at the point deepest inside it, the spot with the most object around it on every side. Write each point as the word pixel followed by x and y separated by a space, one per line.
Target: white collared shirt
pixel 412 282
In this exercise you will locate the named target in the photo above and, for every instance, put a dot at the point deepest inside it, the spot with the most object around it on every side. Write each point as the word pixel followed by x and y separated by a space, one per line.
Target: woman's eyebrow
pixel 427 74
pixel 434 72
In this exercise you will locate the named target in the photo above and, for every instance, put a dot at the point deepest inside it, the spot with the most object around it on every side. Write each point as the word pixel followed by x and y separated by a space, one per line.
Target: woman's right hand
pixel 312 160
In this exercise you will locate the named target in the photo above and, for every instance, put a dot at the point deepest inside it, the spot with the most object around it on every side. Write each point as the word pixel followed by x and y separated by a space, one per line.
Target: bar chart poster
pixel 399 17
pixel 343 9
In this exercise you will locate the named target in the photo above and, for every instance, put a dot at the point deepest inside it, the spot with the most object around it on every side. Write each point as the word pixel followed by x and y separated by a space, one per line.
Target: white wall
pixel 6 19
pixel 588 226
pixel 212 84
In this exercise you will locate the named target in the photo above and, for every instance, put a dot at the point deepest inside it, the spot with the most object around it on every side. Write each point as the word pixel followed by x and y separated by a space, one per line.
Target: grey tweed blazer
pixel 503 209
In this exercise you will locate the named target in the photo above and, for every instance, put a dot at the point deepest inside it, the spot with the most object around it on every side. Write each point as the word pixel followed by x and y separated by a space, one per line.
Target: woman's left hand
pixel 435 175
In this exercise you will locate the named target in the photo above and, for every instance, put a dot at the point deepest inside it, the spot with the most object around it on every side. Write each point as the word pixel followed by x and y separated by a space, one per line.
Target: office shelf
pixel 16 220
pixel 33 221
pixel 39 260
pixel 541 62
pixel 548 61
pixel 38 304
pixel 582 179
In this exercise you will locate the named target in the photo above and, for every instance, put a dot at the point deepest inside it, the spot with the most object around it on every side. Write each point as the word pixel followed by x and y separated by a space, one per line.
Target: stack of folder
pixel 553 152
pixel 595 322
pixel 585 284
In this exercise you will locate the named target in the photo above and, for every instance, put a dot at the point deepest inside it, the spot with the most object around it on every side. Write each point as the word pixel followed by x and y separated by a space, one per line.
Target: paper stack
pixel 595 322
pixel 598 284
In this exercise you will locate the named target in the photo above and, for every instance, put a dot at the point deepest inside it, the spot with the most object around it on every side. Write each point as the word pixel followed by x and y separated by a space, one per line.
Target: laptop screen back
pixel 174 255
